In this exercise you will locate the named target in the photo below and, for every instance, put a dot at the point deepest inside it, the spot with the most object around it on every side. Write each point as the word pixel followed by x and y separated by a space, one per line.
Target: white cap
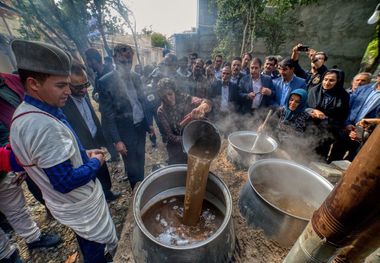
pixel 375 16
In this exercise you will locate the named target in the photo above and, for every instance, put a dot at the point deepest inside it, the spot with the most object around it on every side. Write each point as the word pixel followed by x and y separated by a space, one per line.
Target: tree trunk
pixel 123 11
pixel 244 35
pixel 99 25
pixel 79 40
pixel 253 31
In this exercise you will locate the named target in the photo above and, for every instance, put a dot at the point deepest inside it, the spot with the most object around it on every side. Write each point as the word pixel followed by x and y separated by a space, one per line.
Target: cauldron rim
pixel 187 141
pixel 259 163
pixel 182 168
pixel 237 148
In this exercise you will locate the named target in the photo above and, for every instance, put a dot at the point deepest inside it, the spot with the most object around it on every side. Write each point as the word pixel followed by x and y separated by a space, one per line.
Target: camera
pixel 303 48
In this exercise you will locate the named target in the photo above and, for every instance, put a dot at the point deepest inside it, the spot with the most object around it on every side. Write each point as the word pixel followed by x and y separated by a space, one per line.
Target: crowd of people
pixel 309 104
pixel 51 134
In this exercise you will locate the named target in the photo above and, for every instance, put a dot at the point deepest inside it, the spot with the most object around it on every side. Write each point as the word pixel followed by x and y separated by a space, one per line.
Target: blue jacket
pixel 295 83
pixel 357 100
pixel 245 87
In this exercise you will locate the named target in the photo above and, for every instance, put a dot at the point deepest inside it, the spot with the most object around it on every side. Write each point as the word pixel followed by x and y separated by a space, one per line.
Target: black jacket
pixel 334 103
pixel 114 104
pixel 245 87
pixel 79 125
pixel 311 80
pixel 215 95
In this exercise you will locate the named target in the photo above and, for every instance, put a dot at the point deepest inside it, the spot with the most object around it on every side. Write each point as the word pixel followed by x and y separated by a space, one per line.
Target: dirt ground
pixel 252 246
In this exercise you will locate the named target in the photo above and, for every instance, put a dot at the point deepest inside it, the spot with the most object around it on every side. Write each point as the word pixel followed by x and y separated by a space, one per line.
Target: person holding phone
pixel 364 104
pixel 313 77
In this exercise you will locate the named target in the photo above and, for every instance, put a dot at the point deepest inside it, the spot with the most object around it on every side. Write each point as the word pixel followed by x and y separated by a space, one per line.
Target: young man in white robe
pixel 52 155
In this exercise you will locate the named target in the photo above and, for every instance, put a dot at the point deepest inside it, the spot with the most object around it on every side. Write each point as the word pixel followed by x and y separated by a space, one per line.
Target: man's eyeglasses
pixel 81 86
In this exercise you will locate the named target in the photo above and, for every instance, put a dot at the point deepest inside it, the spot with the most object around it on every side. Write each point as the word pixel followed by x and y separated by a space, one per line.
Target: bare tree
pixel 98 8
pixel 130 21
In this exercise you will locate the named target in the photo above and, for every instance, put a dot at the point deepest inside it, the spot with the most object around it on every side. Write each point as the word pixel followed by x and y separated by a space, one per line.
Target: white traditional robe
pixel 44 141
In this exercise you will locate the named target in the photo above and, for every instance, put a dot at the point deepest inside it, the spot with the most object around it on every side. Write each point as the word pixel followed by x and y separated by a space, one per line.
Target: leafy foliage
pixel 159 40
pixel 239 23
pixel 371 56
pixel 71 24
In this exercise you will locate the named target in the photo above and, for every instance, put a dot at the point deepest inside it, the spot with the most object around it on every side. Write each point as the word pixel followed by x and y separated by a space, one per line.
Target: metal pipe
pixel 374 257
pixel 363 244
pixel 353 201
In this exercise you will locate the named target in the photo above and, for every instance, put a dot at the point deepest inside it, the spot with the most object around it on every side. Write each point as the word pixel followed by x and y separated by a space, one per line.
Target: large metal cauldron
pixel 239 148
pixel 171 181
pixel 285 180
pixel 197 129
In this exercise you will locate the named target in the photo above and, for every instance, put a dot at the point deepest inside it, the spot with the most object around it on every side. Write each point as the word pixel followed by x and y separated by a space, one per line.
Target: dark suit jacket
pixel 116 110
pixel 216 93
pixel 79 125
pixel 216 90
pixel 245 87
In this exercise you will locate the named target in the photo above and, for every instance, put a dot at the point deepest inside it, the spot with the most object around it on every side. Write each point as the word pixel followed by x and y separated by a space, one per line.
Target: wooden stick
pixel 263 126
pixel 185 120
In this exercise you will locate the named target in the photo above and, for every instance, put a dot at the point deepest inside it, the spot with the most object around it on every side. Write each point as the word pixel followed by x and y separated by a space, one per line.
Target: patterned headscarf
pixel 288 113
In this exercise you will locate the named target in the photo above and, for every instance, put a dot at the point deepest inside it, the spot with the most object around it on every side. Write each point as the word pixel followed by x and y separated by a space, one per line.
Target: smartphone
pixel 359 132
pixel 303 48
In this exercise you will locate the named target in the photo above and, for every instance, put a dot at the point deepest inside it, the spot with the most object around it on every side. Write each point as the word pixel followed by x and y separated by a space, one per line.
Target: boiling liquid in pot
pixel 164 221
pixel 293 205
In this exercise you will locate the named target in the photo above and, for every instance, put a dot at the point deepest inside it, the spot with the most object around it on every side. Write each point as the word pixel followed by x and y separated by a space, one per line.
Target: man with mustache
pixel 198 83
pixel 314 76
pixel 236 75
pixel 83 120
pixel 122 106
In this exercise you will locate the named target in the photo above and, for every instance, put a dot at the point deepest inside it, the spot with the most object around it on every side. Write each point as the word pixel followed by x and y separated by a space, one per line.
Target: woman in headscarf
pixel 328 106
pixel 290 121
pixel 176 110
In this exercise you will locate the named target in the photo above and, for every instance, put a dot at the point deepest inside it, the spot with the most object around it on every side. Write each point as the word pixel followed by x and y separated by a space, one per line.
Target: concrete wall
pixel 203 39
pixel 338 28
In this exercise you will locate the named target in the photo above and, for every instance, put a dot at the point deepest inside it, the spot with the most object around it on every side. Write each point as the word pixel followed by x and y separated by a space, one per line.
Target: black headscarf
pixel 334 103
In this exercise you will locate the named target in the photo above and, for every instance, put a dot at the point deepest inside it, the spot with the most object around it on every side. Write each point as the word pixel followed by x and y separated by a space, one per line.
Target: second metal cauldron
pixel 285 178
pixel 240 144
pixel 170 181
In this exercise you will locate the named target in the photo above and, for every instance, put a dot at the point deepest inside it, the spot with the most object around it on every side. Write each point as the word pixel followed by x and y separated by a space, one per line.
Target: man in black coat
pixel 224 94
pixel 122 103
pixel 85 123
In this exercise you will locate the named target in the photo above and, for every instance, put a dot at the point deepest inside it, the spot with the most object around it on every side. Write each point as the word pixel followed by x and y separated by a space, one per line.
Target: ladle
pixel 259 132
